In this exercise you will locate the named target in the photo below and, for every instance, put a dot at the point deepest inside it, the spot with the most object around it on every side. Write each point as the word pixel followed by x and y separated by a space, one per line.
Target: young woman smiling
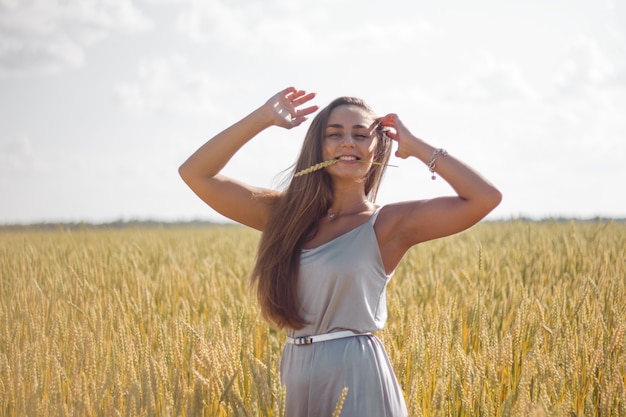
pixel 327 251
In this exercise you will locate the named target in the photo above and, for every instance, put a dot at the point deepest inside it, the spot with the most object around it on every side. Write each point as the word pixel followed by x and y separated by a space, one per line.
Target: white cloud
pixel 586 67
pixel 21 158
pixel 15 157
pixel 48 36
pixel 162 2
pixel 169 84
pixel 250 27
pixel 617 10
pixel 587 102
pixel 301 30
pixel 202 21
pixel 490 81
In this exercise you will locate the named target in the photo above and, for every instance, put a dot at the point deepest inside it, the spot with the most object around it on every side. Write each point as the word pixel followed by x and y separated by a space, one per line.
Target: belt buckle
pixel 303 340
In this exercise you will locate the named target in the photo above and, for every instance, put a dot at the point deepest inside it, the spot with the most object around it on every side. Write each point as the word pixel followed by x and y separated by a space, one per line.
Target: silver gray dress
pixel 342 286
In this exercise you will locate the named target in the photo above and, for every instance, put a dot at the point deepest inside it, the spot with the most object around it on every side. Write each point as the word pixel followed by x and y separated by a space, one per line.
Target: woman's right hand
pixel 285 107
pixel 243 203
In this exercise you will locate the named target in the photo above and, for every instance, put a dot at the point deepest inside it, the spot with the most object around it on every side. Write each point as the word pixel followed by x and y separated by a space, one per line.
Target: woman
pixel 327 251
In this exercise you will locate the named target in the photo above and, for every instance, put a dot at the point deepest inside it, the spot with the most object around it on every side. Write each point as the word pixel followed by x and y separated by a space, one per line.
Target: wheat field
pixel 510 318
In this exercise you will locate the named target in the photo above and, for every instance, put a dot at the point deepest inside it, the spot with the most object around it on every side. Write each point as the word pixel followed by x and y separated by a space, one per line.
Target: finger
pixel 303 99
pixel 288 90
pixel 307 111
pixel 295 94
pixel 401 154
pixel 286 93
pixel 392 134
pixel 387 121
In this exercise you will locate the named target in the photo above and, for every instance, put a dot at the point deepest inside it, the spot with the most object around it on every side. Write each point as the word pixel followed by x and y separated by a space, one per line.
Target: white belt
pixel 307 340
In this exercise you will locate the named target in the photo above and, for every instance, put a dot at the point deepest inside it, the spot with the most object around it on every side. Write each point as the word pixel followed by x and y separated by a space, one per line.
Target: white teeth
pixel 347 158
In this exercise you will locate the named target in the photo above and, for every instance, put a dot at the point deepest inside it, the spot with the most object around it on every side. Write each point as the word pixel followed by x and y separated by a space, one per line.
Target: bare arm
pixel 241 202
pixel 409 223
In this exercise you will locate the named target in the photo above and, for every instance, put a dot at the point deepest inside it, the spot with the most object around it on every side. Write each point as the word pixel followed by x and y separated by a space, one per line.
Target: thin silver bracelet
pixel 433 161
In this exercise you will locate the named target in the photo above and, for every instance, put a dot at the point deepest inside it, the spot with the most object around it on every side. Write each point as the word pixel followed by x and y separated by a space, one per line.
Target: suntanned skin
pixel 348 135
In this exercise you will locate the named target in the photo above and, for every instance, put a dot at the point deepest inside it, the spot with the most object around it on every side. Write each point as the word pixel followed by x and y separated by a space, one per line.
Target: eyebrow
pixel 338 126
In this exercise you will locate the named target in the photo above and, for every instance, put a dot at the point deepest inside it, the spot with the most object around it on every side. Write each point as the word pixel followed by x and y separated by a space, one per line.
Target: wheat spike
pixel 322 165
pixel 316 167
pixel 342 398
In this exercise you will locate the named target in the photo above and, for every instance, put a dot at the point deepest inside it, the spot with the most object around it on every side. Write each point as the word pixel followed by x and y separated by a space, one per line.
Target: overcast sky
pixel 101 101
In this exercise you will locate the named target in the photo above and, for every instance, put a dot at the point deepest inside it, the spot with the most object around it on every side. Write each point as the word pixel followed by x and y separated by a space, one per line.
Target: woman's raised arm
pixel 241 202
pixel 412 222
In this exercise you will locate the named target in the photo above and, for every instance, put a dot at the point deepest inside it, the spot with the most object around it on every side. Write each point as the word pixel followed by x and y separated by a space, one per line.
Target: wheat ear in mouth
pixel 316 167
pixel 322 165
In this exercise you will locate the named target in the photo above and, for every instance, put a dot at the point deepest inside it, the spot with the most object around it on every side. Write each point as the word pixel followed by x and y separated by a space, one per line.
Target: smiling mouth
pixel 347 158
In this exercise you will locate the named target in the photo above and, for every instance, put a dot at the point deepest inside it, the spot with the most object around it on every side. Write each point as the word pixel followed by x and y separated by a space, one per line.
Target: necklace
pixel 333 215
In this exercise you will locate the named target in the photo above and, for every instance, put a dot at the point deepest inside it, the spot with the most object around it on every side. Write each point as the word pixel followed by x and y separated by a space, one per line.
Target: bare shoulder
pixel 393 216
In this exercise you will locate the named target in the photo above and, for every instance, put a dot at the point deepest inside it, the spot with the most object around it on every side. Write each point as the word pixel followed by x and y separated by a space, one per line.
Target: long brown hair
pixel 294 219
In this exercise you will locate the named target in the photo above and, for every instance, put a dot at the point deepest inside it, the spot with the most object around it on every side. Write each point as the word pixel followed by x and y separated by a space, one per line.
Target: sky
pixel 102 100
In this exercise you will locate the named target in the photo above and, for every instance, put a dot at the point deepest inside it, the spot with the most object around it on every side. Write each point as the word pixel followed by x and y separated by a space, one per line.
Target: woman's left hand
pixel 397 131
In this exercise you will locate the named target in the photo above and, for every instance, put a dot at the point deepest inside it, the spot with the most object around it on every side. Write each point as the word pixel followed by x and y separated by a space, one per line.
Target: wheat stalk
pixel 322 165
pixel 340 401
pixel 316 167
pixel 471 341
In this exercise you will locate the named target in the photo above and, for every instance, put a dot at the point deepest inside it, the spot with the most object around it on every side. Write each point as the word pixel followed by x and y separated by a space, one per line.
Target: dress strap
pixel 374 215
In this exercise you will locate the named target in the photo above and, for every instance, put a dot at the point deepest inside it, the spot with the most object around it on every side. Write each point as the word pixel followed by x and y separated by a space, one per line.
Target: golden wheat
pixel 324 164
pixel 316 167
pixel 509 318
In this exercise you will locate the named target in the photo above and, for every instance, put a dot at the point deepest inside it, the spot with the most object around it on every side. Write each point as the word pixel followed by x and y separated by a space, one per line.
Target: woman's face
pixel 350 138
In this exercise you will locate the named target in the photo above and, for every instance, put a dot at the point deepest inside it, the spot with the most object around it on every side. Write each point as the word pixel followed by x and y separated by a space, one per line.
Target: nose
pixel 347 140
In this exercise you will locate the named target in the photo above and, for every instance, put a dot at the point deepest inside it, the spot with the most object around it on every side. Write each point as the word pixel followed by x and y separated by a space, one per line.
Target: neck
pixel 348 205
